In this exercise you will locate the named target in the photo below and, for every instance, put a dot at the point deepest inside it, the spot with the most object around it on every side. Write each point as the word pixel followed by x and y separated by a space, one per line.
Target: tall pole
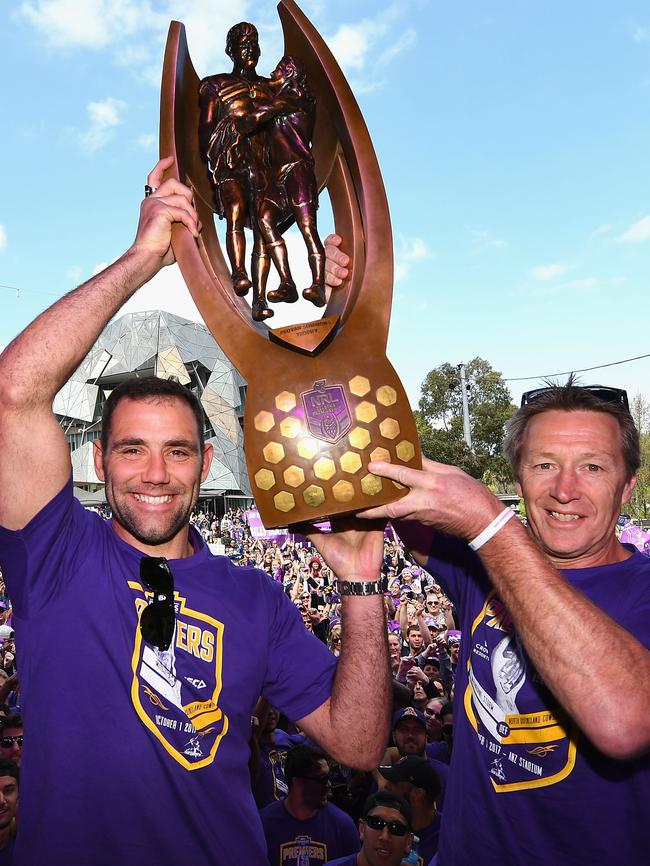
pixel 463 387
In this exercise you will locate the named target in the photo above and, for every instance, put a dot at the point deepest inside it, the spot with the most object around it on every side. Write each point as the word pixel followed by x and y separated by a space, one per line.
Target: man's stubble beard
pixel 150 536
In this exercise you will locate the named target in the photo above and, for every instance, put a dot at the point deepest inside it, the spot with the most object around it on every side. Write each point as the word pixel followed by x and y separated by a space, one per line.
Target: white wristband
pixel 492 528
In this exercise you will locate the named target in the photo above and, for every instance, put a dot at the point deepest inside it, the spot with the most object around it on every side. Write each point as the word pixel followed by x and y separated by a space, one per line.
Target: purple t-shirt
pixel 133 755
pixel 290 842
pixel 526 787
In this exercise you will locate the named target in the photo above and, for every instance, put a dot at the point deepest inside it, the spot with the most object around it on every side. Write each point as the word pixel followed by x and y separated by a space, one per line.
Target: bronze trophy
pixel 322 397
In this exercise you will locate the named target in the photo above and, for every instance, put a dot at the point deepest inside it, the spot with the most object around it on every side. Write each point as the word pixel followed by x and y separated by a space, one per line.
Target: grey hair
pixel 571 397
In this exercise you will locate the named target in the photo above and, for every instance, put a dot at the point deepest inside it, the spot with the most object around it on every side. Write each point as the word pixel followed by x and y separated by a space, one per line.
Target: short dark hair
pixel 237 31
pixel 413 627
pixel 388 800
pixel 301 760
pixel 9 768
pixel 14 720
pixel 571 397
pixel 150 388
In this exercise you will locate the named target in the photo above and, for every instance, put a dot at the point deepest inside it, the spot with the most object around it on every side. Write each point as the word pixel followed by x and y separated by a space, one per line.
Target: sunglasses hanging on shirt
pixel 158 619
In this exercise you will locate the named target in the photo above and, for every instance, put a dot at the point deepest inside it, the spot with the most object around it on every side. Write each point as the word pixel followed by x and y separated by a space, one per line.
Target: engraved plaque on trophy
pixel 322 399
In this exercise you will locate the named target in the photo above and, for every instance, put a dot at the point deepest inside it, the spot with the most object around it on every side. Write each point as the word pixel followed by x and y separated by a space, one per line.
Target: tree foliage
pixel 639 505
pixel 440 420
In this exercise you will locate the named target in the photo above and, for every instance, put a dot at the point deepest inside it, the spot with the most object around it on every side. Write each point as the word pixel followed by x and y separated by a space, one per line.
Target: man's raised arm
pixel 34 455
pixel 352 725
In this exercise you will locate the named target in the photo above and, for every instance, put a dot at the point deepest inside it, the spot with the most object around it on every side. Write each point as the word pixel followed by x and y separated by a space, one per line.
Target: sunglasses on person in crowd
pixel 322 780
pixel 158 619
pixel 395 828
pixel 602 392
pixel 7 742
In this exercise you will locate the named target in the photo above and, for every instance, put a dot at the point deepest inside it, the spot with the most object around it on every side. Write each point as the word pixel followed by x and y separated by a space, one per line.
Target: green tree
pixel 440 420
pixel 639 504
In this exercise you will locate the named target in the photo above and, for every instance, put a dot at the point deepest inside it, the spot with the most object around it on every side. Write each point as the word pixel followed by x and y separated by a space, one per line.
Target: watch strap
pixel 361 587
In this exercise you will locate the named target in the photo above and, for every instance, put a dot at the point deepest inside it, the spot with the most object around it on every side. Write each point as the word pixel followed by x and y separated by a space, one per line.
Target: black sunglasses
pixel 323 779
pixel 158 619
pixel 395 828
pixel 602 392
pixel 7 742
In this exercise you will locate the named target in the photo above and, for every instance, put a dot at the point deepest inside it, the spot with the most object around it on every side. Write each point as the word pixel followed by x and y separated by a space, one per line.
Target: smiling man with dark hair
pixel 166 677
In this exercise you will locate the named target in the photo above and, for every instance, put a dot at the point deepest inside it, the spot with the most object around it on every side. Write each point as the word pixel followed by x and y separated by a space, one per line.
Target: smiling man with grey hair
pixel 551 616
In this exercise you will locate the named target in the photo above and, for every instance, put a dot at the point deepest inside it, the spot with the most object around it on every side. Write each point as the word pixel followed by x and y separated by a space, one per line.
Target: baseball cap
pixel 408 713
pixel 418 771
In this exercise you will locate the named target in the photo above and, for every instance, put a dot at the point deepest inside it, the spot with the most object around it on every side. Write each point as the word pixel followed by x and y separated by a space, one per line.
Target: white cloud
pixel 409 250
pixel 547 272
pixel 3 237
pixel 603 229
pixel 104 116
pixel 638 232
pixel 484 240
pixel 641 34
pixel 583 283
pixel 356 45
pixel 147 140
pixel 91 23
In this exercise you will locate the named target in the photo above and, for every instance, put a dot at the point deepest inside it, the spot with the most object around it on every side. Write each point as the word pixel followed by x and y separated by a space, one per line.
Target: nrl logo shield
pixel 326 411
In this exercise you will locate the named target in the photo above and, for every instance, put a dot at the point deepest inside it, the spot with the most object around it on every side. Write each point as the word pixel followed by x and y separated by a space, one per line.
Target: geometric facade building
pixel 165 345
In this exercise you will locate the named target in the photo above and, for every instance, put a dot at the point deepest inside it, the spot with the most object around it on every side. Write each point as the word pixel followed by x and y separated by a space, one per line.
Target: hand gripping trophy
pixel 322 400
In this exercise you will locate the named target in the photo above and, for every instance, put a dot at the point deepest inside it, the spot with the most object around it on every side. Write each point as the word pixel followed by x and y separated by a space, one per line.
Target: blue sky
pixel 513 138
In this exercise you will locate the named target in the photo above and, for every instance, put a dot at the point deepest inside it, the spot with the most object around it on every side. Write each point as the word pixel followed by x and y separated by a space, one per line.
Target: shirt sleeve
pixel 452 561
pixel 300 669
pixel 37 560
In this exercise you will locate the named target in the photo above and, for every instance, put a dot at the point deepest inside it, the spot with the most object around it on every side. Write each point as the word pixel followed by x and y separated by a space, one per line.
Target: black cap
pixel 418 771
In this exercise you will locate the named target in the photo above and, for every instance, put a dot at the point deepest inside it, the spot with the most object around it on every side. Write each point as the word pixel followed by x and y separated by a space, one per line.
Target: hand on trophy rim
pixel 440 496
pixel 170 202
pixel 336 261
pixel 353 550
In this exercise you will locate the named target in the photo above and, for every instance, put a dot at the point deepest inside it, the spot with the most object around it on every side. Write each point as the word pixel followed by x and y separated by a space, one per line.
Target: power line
pixel 13 289
pixel 568 372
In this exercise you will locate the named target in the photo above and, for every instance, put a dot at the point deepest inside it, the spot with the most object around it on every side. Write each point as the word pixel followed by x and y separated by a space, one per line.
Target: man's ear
pixel 98 458
pixel 628 490
pixel 208 451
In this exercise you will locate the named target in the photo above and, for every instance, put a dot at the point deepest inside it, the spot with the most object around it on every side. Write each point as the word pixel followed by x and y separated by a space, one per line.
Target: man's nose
pixel 565 485
pixel 155 471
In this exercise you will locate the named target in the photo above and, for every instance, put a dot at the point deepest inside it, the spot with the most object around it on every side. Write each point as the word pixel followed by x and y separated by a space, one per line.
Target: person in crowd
pixel 304 828
pixel 410 738
pixel 385 831
pixel 431 714
pixel 11 738
pixel 9 778
pixel 273 744
pixel 395 653
pixel 416 780
pixel 166 674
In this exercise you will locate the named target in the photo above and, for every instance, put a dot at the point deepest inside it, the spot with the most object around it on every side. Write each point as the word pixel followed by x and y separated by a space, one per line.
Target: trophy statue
pixel 322 399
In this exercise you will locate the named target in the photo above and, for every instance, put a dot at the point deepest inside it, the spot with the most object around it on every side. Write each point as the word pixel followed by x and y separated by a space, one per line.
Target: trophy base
pixel 308 444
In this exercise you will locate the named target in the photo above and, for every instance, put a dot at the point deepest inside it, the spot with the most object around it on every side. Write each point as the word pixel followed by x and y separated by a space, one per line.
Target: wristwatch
pixel 362 587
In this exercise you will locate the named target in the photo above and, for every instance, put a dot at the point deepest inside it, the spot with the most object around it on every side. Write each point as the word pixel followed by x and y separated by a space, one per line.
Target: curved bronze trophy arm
pixel 322 397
